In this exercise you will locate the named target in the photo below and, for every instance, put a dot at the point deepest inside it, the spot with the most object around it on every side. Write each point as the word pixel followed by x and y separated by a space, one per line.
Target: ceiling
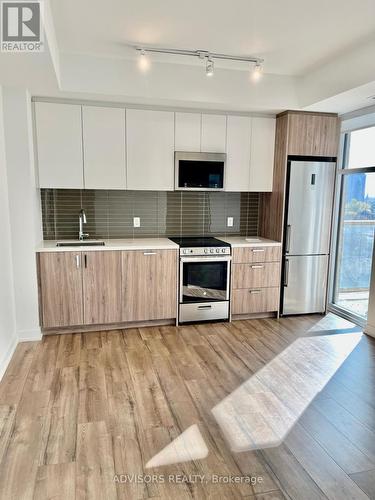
pixel 293 36
pixel 319 55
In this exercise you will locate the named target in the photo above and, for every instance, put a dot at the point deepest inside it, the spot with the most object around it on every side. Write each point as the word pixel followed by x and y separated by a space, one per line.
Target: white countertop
pixel 250 241
pixel 123 244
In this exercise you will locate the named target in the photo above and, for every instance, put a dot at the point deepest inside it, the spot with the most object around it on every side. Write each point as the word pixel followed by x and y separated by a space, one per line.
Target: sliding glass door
pixel 355 224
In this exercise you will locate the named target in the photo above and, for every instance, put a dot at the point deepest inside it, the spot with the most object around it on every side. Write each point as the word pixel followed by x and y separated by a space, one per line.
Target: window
pixel 355 225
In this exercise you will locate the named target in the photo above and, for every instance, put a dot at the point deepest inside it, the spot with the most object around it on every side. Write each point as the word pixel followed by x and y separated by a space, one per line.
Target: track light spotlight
pixel 257 71
pixel 144 62
pixel 209 66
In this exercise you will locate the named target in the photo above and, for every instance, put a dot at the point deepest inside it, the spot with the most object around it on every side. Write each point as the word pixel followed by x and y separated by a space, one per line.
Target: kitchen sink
pixel 80 244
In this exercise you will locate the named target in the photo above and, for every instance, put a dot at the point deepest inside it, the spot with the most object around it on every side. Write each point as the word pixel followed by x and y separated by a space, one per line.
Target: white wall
pixel 24 209
pixel 8 338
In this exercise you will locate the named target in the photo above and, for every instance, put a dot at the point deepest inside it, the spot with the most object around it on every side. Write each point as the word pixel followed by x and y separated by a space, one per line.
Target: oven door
pixel 204 279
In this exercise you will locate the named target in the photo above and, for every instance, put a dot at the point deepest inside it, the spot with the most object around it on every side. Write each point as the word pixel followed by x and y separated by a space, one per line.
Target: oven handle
pixel 201 258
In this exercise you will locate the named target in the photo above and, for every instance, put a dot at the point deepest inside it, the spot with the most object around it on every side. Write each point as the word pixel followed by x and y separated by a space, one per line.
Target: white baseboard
pixel 4 361
pixel 27 335
pixel 370 330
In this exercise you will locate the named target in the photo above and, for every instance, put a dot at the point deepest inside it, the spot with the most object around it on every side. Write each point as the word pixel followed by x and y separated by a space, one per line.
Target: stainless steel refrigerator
pixel 308 215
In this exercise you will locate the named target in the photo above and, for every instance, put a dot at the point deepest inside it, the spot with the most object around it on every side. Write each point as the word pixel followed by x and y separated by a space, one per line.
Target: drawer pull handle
pixel 255 291
pixel 204 307
pixel 255 250
pixel 256 267
pixel 149 253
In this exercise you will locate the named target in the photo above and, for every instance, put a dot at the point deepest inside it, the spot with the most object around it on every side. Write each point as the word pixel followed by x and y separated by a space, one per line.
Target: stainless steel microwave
pixel 199 171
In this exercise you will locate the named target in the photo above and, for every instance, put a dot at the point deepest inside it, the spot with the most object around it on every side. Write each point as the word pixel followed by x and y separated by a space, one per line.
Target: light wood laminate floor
pixel 287 404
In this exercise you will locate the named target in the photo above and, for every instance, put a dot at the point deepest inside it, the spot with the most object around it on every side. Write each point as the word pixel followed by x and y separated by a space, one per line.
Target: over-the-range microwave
pixel 199 171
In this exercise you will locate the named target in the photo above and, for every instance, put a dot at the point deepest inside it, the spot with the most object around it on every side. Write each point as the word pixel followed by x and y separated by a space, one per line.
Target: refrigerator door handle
pixel 287 238
pixel 286 272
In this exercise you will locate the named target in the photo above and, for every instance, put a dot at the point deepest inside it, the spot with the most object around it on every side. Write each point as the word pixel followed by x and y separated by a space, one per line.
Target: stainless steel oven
pixel 204 281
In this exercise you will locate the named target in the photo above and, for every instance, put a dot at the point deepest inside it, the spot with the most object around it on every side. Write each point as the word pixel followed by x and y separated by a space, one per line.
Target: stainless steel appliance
pixel 199 171
pixel 309 201
pixel 204 280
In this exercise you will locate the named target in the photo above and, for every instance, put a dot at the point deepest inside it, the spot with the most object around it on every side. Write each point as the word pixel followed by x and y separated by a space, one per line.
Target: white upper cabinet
pixel 262 154
pixel 104 147
pixel 59 145
pixel 150 149
pixel 188 131
pixel 237 177
pixel 214 131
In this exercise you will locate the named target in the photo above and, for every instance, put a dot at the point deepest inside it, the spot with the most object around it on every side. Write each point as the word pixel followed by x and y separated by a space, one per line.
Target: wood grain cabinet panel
pixel 149 289
pixel 265 274
pixel 256 300
pixel 60 283
pixel 313 134
pixel 243 255
pixel 102 287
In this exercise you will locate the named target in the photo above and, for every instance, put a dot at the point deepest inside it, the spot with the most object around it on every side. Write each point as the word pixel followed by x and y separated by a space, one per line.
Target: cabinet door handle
pixel 255 291
pixel 256 267
pixel 85 261
pixel 204 307
pixel 255 250
pixel 149 253
pixel 78 262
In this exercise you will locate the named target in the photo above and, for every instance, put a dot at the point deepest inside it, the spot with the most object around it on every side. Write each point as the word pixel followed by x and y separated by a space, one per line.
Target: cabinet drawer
pixel 255 300
pixel 243 255
pixel 261 275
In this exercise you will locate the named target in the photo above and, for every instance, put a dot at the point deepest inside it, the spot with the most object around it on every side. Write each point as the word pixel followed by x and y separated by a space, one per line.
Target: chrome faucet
pixel 82 220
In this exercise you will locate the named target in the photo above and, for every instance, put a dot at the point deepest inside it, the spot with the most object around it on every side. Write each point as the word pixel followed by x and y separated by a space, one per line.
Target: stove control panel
pixel 214 251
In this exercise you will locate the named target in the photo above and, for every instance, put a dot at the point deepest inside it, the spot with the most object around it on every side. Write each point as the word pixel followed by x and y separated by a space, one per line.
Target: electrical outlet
pixel 230 221
pixel 136 222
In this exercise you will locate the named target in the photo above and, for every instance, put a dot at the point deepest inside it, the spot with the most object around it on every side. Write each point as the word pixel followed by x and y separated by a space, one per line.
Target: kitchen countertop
pixel 122 244
pixel 251 241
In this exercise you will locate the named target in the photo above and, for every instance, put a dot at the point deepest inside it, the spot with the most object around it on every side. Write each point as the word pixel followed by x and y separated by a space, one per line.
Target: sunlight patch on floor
pixel 187 446
pixel 262 411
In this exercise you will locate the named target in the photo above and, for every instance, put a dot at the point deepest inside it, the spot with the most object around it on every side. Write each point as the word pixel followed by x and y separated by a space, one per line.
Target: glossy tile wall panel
pixel 110 213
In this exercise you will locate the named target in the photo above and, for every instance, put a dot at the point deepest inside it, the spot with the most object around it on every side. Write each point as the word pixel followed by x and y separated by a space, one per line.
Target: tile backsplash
pixel 162 213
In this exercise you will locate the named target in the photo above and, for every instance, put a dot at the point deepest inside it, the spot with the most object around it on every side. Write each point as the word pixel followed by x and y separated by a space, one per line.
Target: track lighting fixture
pixel 209 66
pixel 206 56
pixel 257 71
pixel 144 62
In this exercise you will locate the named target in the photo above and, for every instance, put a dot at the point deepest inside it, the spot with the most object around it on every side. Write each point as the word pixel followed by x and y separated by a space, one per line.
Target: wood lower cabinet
pixel 244 255
pixel 60 284
pixel 256 274
pixel 102 287
pixel 258 300
pixel 106 287
pixel 149 289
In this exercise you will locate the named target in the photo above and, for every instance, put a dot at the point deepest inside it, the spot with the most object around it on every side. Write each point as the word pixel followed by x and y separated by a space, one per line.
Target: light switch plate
pixel 136 222
pixel 229 221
